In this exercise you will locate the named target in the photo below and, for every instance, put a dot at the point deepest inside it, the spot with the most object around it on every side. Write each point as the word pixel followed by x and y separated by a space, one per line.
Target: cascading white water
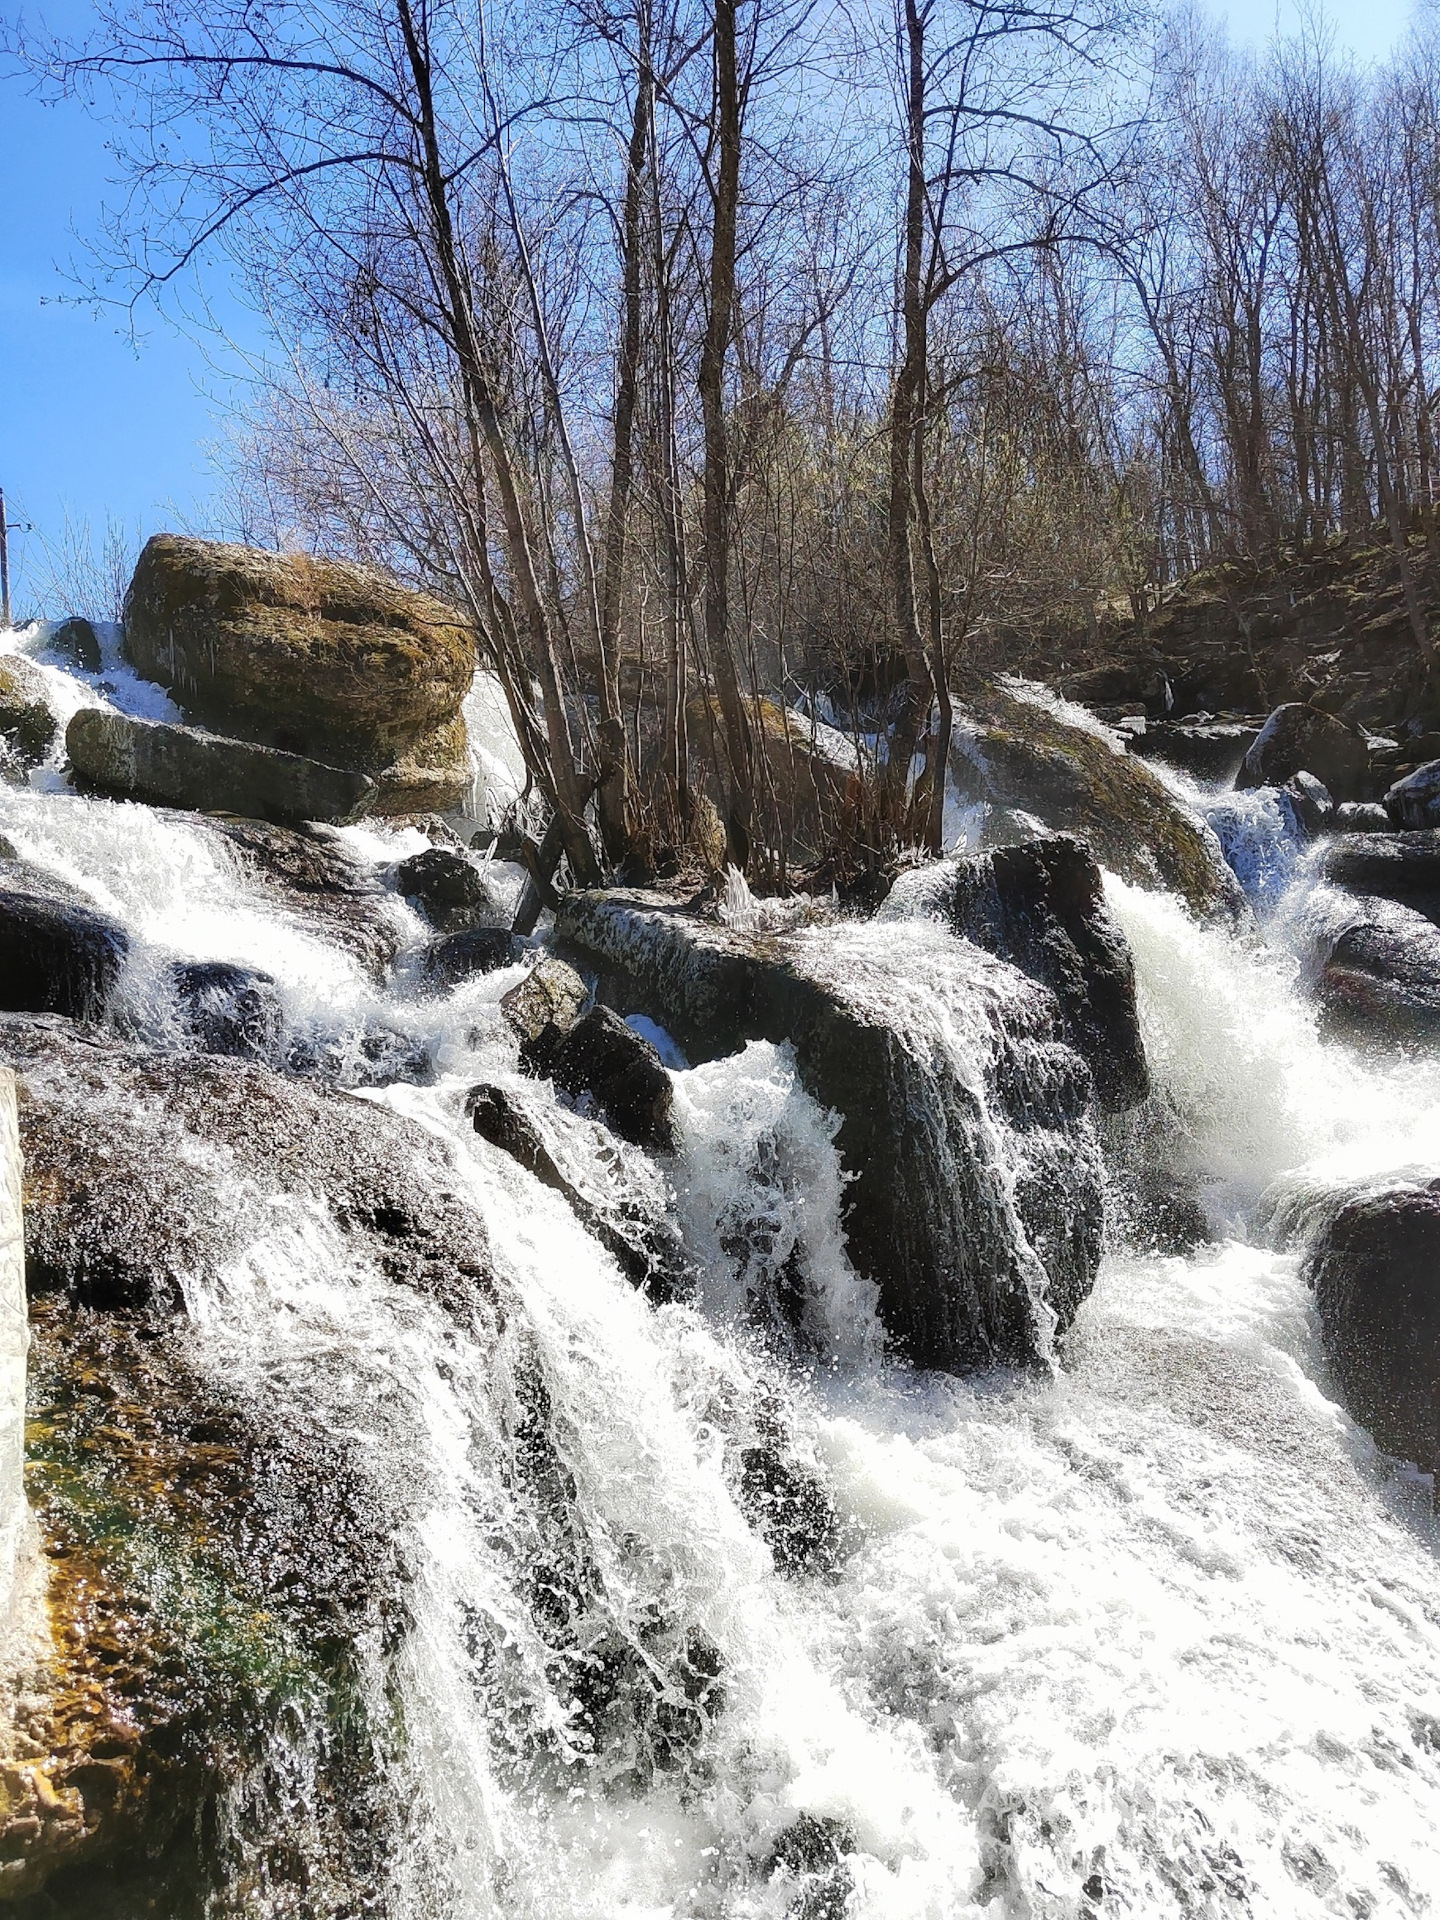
pixel 1155 1634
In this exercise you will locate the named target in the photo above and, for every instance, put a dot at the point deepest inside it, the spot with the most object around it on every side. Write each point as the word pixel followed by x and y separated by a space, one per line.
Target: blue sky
pixel 91 426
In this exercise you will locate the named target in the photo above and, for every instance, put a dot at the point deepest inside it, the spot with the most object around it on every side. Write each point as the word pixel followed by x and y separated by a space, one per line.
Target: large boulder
pixel 600 1056
pixel 432 776
pixel 449 890
pixel 181 767
pixel 1015 747
pixel 1375 1268
pixel 1299 738
pixel 1041 906
pixel 318 657
pixel 974 1197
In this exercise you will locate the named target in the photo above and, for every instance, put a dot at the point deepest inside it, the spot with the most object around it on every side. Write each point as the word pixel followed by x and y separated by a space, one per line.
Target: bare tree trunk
pixel 715 495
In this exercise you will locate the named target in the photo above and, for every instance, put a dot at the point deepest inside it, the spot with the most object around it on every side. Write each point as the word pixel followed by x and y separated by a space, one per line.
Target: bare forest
pixel 735 361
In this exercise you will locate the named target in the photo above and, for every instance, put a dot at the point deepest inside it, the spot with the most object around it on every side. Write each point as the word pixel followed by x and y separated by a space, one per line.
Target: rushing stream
pixel 1154 1633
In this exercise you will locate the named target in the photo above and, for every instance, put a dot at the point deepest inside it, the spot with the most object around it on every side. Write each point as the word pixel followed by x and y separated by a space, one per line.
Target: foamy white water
pixel 1155 1634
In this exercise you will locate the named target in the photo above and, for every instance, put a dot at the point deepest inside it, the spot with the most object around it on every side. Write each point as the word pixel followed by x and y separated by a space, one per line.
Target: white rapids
pixel 1156 1633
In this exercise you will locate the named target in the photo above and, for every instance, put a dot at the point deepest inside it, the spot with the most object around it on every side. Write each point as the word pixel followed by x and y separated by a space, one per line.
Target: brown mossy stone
pixel 1016 752
pixel 318 657
pixel 27 726
pixel 202 1590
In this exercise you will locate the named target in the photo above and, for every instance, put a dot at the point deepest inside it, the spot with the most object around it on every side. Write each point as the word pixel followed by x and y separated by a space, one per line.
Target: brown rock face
pixel 315 656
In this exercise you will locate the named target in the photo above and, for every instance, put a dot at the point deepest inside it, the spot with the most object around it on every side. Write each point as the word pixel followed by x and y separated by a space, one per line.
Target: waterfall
pixel 703 1619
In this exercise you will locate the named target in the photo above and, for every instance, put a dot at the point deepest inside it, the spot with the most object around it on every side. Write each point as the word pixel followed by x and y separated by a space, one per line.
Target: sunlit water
pixel 1156 1633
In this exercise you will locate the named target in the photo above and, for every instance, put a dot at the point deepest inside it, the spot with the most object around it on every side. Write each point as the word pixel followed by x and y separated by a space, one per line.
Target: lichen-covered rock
pixel 1375 1269
pixel 28 728
pixel 1041 906
pixel 432 776
pixel 1299 738
pixel 181 767
pixel 546 1004
pixel 318 657
pixel 1014 747
pixel 975 1194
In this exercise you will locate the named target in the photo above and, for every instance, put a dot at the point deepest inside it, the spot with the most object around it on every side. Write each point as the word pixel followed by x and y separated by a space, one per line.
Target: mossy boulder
pixel 318 657
pixel 806 780
pixel 1016 748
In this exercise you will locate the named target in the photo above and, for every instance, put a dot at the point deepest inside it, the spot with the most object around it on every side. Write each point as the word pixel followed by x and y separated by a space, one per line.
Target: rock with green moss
pixel 318 657
pixel 1015 747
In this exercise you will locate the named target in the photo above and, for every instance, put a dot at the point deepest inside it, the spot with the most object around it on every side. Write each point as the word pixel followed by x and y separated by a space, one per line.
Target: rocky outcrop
pixel 57 954
pixel 544 1007
pixel 432 776
pixel 28 729
pixel 1299 738
pixel 1041 906
pixel 1013 748
pixel 180 767
pixel 1375 1269
pixel 215 1561
pixel 975 1193
pixel 808 780
pixel 317 657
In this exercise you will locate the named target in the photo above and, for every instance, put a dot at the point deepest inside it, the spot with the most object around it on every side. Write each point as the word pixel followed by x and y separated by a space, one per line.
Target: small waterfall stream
pixel 1154 1633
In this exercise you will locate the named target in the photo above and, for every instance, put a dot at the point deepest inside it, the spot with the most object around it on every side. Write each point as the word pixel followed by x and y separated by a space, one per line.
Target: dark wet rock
pixel 1404 867
pixel 1156 1179
pixel 369 1056
pixel 1041 906
pixel 1310 804
pixel 1415 801
pixel 1380 972
pixel 869 1010
pixel 460 956
pixel 1210 751
pixel 1375 1268
pixel 57 955
pixel 812 1853
pixel 646 1247
pixel 76 641
pixel 28 728
pixel 449 891
pixel 179 767
pixel 1300 738
pixel 310 872
pixel 1361 816
pixel 117 1209
pixel 545 1005
pixel 1013 750
pixel 227 1009
pixel 602 1057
